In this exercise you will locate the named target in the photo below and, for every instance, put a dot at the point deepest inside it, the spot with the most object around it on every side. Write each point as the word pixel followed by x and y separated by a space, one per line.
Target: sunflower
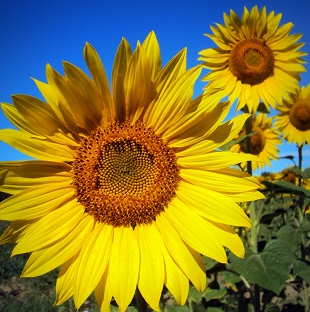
pixel 290 175
pixel 293 121
pixel 254 59
pixel 126 189
pixel 264 142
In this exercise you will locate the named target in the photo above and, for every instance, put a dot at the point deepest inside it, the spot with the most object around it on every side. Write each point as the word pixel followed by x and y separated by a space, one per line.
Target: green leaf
pixel 230 279
pixel 271 307
pixel 183 308
pixel 210 294
pixel 209 263
pixel 301 269
pixel 304 225
pixel 287 187
pixel 263 232
pixel 306 173
pixel 194 295
pixel 270 269
pixel 291 235
pixel 281 249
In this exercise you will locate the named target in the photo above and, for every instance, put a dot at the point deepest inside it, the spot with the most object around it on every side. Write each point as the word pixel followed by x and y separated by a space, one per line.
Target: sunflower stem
pixel 253 216
pixel 142 305
pixel 248 130
pixel 300 156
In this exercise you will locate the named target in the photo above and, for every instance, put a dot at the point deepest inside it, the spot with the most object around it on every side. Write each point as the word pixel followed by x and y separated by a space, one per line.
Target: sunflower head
pixel 126 184
pixel 254 60
pixel 293 120
pixel 264 142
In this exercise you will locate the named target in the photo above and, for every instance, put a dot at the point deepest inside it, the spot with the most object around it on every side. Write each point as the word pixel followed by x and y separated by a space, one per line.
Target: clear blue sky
pixel 36 32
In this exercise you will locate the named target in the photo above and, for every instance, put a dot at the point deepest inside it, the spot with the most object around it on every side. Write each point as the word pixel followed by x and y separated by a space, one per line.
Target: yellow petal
pixel 151 47
pixel 232 181
pixel 92 262
pixel 175 280
pixel 103 292
pixel 34 203
pixel 124 266
pixel 98 73
pixel 18 176
pixel 173 103
pixel 64 282
pixel 50 228
pixel 194 230
pixel 120 65
pixel 152 267
pixel 137 85
pixel 212 205
pixel 51 257
pixel 36 146
pixel 15 231
pixel 180 253
pixel 214 160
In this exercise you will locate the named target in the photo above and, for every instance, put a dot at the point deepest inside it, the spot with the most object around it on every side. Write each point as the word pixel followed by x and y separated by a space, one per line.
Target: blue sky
pixel 36 32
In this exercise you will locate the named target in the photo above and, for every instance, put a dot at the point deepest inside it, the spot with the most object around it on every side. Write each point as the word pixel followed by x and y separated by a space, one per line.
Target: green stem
pixel 300 157
pixel 248 130
pixel 255 222
pixel 142 305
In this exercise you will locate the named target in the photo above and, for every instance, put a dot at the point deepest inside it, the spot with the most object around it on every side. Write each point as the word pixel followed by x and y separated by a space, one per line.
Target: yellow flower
pixel 254 59
pixel 293 120
pixel 290 176
pixel 263 142
pixel 127 190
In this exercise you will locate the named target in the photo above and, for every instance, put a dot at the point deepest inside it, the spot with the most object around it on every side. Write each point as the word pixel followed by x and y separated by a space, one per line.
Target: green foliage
pixel 269 269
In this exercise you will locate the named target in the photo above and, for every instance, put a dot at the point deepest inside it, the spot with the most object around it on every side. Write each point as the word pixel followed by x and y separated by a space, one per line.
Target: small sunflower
pixel 255 59
pixel 264 142
pixel 127 189
pixel 293 120
pixel 291 176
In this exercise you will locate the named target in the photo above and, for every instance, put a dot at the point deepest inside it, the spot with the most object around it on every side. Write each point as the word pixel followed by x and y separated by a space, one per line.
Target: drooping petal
pixel 124 258
pixel 180 253
pixel 64 282
pixel 92 262
pixel 151 260
pixel 210 205
pixel 195 231
pixel 45 260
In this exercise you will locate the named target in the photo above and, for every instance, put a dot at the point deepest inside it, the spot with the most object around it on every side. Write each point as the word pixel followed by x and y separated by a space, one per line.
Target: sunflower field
pixel 141 197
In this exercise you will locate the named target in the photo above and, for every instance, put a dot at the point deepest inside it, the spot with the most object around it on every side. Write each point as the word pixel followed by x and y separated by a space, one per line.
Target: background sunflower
pixel 255 59
pixel 264 142
pixel 293 121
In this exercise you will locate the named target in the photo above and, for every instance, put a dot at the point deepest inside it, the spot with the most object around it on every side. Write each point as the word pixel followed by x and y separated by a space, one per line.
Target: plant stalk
pixel 256 295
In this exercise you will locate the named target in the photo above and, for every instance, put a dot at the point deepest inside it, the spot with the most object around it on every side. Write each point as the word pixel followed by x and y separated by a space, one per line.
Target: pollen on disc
pixel 125 174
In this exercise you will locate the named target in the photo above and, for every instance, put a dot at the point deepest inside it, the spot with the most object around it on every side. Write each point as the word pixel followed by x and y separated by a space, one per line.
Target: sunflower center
pixel 300 115
pixel 125 174
pixel 251 61
pixel 289 176
pixel 258 142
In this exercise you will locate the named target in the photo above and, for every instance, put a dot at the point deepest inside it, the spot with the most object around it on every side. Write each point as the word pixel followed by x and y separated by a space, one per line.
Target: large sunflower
pixel 255 59
pixel 294 118
pixel 264 142
pixel 127 190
